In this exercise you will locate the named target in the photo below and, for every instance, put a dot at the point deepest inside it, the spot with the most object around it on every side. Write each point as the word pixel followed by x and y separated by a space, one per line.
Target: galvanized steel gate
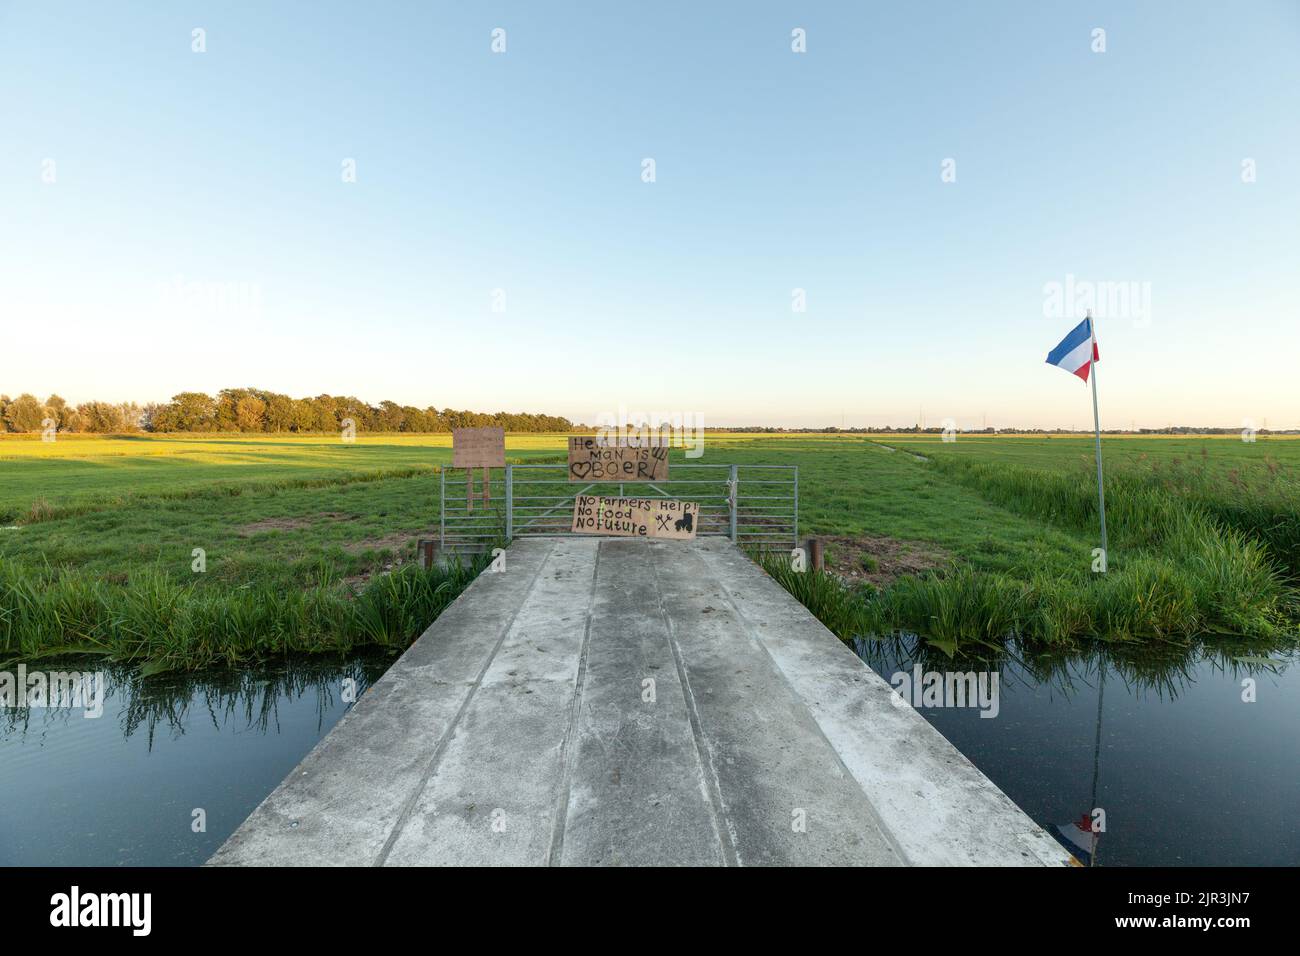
pixel 756 506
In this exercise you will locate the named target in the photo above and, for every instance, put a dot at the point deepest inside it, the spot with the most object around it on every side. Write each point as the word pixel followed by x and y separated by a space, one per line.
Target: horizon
pixel 920 426
pixel 940 190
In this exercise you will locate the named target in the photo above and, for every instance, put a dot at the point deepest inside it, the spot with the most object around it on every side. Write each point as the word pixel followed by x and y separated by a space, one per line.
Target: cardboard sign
pixel 478 448
pixel 589 460
pixel 636 517
pixel 675 519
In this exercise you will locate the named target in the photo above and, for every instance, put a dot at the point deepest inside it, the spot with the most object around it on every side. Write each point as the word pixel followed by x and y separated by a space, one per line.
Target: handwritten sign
pixel 675 519
pixel 589 460
pixel 478 448
pixel 635 517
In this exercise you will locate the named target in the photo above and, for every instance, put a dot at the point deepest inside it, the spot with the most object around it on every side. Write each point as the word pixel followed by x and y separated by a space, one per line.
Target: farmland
pixel 308 542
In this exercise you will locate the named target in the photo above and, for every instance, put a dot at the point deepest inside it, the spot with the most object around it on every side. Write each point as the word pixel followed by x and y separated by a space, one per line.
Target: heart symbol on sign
pixel 580 469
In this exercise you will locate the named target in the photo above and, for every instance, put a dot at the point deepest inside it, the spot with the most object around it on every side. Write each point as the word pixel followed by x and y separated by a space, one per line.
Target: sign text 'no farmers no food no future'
pixel 636 517
pixel 591 460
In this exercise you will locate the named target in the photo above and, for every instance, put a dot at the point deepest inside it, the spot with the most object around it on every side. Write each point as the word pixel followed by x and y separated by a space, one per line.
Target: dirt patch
pixel 291 524
pixel 878 559
pixel 399 541
pixel 354 583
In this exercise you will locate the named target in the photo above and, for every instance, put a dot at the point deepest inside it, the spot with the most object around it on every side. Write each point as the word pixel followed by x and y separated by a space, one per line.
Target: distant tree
pixel 257 410
pixel 354 408
pixel 250 414
pixel 303 415
pixel 328 416
pixel 149 416
pixel 389 418
pixel 101 417
pixel 417 420
pixel 187 412
pixel 59 411
pixel 132 416
pixel 25 414
pixel 279 411
pixel 227 412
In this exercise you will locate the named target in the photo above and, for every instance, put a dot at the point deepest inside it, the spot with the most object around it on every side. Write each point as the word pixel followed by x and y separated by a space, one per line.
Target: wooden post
pixel 478 448
pixel 815 557
pixel 485 495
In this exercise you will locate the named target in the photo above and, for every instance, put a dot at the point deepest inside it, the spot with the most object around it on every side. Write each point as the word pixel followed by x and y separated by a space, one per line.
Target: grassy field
pixel 963 541
pixel 1204 540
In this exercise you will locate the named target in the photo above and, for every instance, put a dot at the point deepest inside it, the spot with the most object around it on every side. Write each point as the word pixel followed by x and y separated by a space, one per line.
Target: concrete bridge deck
pixel 623 701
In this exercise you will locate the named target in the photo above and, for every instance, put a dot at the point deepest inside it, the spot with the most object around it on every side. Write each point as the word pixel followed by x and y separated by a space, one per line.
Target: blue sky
pixel 182 177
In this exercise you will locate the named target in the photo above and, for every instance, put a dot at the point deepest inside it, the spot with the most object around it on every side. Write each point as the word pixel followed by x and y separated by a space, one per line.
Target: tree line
pixel 255 410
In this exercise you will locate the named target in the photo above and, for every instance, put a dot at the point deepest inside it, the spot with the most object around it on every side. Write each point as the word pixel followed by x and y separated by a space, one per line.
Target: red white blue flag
pixel 1079 838
pixel 1077 351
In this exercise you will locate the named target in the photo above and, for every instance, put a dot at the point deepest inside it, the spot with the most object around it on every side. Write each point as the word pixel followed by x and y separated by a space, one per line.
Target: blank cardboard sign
pixel 635 517
pixel 589 460
pixel 478 448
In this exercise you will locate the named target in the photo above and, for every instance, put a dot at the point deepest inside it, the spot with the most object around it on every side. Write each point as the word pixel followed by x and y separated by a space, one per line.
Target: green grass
pixel 165 625
pixel 76 474
pixel 848 486
pixel 1203 537
pixel 299 532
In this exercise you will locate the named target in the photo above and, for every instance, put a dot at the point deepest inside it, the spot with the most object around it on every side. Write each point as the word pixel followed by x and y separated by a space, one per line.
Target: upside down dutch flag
pixel 1077 351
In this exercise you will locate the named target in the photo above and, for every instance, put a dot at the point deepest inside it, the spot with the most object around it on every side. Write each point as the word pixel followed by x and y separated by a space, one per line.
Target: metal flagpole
pixel 1096 764
pixel 1096 421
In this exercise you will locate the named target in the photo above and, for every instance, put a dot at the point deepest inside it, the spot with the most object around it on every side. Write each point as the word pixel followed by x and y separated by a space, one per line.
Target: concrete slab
pixel 637 792
pixel 627 702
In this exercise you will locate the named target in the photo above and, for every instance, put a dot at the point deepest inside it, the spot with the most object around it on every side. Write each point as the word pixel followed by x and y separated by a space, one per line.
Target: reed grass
pixel 161 625
pixel 1186 560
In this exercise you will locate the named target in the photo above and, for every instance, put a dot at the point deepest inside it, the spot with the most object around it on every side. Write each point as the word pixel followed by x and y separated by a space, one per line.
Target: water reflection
pixel 124 788
pixel 1163 741
pixel 1173 754
pixel 1165 670
pixel 242 700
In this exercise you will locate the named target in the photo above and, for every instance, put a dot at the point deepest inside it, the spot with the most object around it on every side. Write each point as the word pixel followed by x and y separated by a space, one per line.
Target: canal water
pixel 1191 755
pixel 122 789
pixel 1184 770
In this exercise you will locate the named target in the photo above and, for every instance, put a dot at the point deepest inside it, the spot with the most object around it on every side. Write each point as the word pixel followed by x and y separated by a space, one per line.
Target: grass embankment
pixel 1193 552
pixel 166 625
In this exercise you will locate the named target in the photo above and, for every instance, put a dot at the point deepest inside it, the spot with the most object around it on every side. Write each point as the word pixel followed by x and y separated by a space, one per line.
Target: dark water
pixel 121 789
pixel 1186 772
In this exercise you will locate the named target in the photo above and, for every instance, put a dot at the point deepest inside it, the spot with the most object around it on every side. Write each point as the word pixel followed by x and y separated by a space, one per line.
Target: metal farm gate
pixel 756 506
